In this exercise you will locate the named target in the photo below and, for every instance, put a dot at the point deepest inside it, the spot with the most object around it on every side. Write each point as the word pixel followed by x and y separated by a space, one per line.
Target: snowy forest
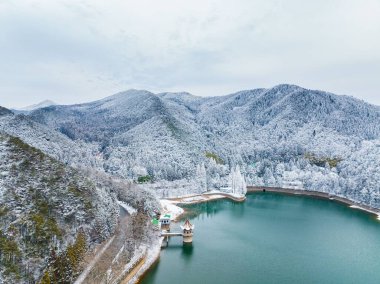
pixel 51 215
pixel 177 143
pixel 136 146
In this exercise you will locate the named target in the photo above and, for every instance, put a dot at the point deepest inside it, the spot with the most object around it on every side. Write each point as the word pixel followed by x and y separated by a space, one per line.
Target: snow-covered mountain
pixel 174 143
pixel 46 206
pixel 5 111
pixel 279 136
pixel 53 143
pixel 42 104
pixel 49 210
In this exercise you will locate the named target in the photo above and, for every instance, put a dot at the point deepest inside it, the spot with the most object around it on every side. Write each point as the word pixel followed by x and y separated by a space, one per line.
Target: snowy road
pixel 124 214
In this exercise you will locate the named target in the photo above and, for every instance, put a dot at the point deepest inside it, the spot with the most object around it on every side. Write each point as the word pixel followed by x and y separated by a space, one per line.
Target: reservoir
pixel 273 238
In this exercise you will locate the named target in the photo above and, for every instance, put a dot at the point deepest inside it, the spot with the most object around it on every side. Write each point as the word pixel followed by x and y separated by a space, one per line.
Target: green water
pixel 274 238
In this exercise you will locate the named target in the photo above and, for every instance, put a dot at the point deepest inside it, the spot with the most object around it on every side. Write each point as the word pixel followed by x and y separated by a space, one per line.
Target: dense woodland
pixel 285 136
pixel 136 145
pixel 52 214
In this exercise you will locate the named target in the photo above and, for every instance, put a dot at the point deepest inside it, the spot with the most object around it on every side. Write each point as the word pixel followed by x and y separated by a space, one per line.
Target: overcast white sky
pixel 77 51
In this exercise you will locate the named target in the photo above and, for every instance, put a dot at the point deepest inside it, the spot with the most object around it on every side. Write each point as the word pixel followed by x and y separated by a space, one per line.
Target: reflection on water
pixel 273 238
pixel 209 209
pixel 187 251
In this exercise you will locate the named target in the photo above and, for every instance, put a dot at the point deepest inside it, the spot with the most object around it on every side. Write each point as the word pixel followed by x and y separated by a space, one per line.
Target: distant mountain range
pixel 27 109
pixel 284 135
pixel 63 169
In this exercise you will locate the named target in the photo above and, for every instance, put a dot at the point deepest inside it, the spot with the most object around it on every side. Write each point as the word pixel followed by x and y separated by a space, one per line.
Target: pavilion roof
pixel 187 225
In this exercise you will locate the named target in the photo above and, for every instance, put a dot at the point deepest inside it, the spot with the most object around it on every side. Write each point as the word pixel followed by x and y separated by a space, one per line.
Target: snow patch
pixel 131 210
pixel 169 207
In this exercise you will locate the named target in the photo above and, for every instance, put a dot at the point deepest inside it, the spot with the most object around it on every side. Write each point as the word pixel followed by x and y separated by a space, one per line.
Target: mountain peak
pixel 178 96
pixel 286 87
pixel 5 111
pixel 42 104
pixel 131 93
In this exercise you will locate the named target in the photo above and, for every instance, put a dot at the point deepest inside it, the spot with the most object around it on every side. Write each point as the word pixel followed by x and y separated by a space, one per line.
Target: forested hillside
pixel 177 143
pixel 286 135
pixel 47 209
pixel 52 214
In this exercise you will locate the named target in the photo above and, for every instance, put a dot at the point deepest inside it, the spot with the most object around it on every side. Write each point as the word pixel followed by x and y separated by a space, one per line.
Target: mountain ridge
pixel 275 135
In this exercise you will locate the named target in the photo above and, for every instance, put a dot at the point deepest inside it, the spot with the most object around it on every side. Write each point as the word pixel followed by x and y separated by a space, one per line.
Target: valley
pixel 66 168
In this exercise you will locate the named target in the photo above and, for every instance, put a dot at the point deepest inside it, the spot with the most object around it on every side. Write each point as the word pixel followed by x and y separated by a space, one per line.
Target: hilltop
pixel 284 136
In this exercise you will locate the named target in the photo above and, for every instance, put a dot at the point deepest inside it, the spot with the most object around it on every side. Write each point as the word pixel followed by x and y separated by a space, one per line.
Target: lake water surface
pixel 273 238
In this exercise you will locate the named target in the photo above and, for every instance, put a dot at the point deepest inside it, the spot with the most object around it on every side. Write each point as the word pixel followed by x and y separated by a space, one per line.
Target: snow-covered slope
pixel 132 126
pixel 28 109
pixel 151 127
pixel 4 111
pixel 42 104
pixel 46 207
pixel 50 142
pixel 44 200
pixel 278 136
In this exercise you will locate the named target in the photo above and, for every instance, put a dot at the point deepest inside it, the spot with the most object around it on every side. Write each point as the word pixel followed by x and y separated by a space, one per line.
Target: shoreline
pixel 205 197
pixel 151 259
pixel 316 194
pixel 170 206
pixel 214 195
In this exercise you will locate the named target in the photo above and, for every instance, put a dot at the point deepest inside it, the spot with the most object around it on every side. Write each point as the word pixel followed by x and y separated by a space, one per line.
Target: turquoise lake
pixel 273 238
